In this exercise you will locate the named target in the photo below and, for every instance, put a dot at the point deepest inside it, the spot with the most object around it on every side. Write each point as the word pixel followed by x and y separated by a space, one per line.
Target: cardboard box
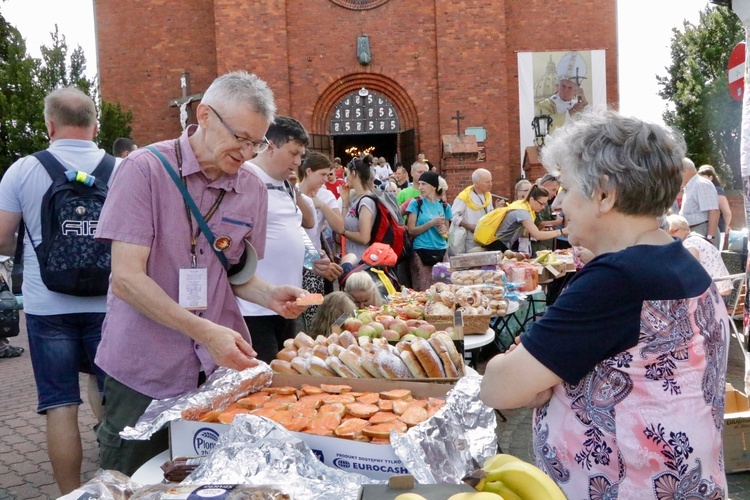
pixel 476 259
pixel 736 431
pixel 428 491
pixel 378 461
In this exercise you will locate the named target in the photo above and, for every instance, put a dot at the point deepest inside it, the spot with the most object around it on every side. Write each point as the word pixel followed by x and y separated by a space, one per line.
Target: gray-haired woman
pixel 627 368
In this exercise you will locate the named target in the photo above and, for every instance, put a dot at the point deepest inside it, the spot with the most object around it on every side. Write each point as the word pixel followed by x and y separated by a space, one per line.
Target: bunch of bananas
pixel 511 478
pixel 505 477
pixel 546 257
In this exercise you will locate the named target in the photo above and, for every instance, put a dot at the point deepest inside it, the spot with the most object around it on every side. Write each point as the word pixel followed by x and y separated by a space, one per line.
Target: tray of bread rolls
pixel 348 356
pixel 478 304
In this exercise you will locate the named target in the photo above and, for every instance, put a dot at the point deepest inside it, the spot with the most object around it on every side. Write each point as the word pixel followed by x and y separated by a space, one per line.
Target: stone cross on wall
pixel 185 102
pixel 458 119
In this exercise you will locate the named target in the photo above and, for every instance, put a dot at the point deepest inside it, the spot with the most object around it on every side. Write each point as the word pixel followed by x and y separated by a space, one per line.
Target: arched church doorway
pixel 366 121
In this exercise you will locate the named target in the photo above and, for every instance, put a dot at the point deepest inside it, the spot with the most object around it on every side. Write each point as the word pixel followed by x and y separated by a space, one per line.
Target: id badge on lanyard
pixel 193 284
pixel 194 288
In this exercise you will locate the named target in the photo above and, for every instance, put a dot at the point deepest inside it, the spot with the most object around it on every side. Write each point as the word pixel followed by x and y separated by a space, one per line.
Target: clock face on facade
pixel 359 4
pixel 358 114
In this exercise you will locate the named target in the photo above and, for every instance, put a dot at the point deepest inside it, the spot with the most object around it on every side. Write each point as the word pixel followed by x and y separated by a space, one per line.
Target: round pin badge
pixel 222 243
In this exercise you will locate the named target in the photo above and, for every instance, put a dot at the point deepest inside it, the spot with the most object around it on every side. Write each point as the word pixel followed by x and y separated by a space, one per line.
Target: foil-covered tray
pixel 223 387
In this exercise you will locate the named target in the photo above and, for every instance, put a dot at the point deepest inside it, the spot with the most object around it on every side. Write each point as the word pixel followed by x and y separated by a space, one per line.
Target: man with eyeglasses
pixel 172 316
pixel 285 239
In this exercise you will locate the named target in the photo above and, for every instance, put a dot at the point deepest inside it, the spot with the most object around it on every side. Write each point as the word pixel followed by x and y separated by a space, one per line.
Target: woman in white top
pixel 358 206
pixel 702 249
pixel 312 174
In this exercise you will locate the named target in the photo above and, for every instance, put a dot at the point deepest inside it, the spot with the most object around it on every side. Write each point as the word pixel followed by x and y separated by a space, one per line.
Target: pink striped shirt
pixel 145 207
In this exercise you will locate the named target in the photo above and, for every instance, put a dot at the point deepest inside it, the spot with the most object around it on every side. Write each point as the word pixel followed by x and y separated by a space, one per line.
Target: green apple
pixel 365 317
pixel 377 326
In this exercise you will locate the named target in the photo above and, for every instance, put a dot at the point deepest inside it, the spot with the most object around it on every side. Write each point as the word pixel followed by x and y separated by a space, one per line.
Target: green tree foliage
pixel 114 123
pixel 24 81
pixel 21 122
pixel 697 88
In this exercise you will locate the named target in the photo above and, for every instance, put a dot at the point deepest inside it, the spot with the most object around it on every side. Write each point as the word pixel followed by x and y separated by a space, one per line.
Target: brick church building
pixel 390 74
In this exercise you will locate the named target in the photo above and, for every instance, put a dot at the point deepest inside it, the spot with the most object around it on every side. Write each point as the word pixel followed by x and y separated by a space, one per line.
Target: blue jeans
pixel 60 345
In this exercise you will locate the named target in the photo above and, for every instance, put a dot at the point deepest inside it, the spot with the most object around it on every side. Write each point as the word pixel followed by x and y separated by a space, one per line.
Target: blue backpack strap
pixel 52 165
pixel 103 171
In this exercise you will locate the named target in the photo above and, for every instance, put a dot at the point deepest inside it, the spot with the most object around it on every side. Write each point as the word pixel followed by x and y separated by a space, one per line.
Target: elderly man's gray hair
pixel 241 87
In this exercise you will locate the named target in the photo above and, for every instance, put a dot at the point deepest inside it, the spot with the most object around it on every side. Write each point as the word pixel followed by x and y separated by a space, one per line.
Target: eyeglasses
pixel 245 143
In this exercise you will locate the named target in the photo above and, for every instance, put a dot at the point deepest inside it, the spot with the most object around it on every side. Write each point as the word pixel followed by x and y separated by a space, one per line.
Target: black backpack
pixel 71 261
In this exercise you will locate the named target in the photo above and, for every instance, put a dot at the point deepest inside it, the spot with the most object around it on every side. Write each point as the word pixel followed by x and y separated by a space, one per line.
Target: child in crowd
pixel 362 289
pixel 334 305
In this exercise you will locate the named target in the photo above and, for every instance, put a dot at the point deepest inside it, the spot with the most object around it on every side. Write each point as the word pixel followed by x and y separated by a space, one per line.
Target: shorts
pixel 59 345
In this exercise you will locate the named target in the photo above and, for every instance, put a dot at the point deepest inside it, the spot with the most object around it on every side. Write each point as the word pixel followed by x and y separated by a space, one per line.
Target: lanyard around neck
pixel 207 217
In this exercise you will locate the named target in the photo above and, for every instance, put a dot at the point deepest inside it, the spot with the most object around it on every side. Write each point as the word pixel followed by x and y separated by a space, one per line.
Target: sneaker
pixel 11 352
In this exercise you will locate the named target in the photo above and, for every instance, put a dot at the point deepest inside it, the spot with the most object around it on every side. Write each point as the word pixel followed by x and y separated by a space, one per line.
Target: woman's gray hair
pixel 241 87
pixel 641 161
pixel 70 107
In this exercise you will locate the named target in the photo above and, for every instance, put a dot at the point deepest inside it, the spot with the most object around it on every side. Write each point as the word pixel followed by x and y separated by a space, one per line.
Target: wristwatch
pixel 710 237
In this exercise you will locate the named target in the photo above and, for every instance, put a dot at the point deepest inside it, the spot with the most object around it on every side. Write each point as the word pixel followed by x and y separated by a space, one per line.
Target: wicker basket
pixel 476 323
pixel 439 321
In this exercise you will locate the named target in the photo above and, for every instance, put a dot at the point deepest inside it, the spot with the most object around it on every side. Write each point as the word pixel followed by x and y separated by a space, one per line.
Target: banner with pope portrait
pixel 557 85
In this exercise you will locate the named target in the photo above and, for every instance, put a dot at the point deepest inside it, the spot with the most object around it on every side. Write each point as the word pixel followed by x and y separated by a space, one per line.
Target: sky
pixel 644 33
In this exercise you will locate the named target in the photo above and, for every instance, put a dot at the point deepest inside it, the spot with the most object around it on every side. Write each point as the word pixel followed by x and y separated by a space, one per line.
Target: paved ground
pixel 25 471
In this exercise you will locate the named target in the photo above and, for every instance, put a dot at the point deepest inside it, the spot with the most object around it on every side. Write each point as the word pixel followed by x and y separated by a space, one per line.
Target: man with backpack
pixel 64 329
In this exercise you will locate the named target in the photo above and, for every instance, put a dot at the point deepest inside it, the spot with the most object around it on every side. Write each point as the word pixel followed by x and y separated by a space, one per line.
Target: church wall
pixel 324 38
pixel 440 56
pixel 143 47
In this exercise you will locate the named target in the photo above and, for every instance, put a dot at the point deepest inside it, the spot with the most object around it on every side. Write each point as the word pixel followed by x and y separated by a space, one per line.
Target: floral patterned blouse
pixel 640 412
pixel 710 259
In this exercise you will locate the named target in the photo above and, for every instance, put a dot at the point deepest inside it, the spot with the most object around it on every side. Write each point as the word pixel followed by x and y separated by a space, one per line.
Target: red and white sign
pixel 736 71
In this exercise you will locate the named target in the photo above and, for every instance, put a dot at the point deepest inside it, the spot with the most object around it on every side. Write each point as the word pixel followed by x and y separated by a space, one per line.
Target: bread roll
pixel 320 351
pixel 438 344
pixel 334 349
pixel 332 339
pixel 303 340
pixel 346 339
pixel 455 356
pixel 300 365
pixel 403 345
pixel 304 352
pixel 319 367
pixel 368 361
pixel 335 364
pixel 356 350
pixel 289 343
pixel 427 357
pixel 281 366
pixel 352 360
pixel 412 363
pixel 287 354
pixel 390 365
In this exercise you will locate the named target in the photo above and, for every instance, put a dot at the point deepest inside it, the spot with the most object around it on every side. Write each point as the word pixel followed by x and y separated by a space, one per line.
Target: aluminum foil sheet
pixel 258 451
pixel 105 485
pixel 454 441
pixel 222 387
